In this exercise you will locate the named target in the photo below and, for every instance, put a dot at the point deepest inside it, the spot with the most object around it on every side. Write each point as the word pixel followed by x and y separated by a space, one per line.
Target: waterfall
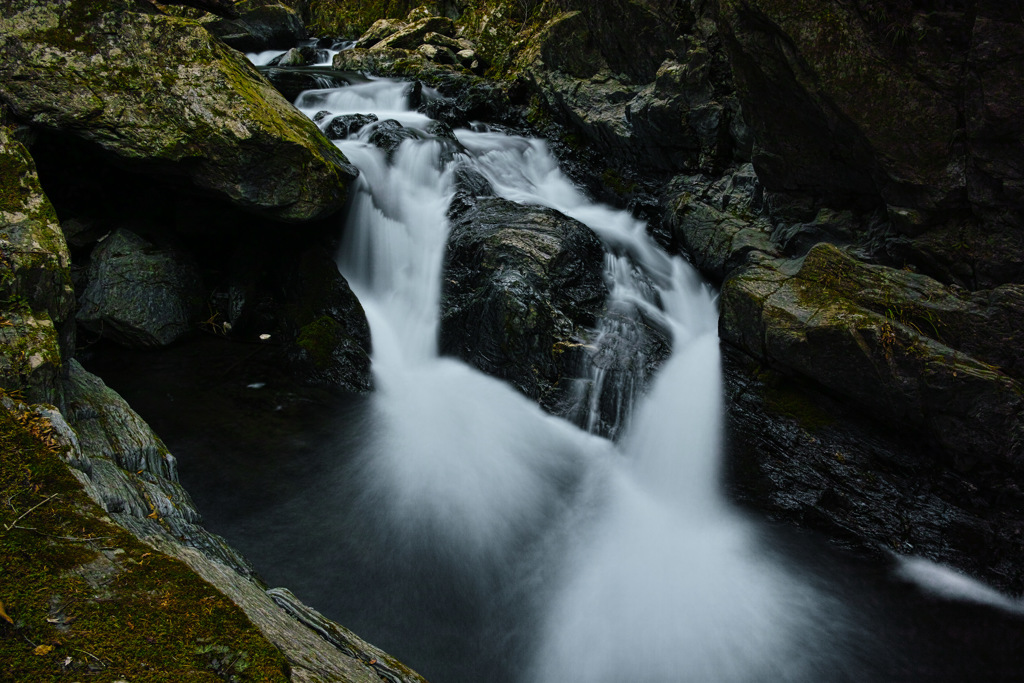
pixel 639 571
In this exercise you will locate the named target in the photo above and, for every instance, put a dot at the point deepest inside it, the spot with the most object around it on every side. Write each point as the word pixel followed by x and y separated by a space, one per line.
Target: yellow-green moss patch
pixel 88 601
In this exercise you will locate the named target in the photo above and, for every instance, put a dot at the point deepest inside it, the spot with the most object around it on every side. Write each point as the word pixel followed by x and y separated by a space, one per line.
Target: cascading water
pixel 482 539
pixel 652 577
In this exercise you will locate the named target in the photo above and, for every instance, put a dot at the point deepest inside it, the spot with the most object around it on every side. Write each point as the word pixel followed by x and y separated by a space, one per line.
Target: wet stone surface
pixel 806 459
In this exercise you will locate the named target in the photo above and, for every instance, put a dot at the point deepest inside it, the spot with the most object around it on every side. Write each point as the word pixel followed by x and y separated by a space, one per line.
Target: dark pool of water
pixel 275 469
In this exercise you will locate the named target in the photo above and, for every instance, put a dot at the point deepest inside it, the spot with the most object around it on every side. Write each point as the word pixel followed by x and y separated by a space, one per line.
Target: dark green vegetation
pixel 86 599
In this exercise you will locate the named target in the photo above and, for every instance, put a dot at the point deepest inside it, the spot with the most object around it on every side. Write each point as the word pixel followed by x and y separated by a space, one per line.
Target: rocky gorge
pixel 846 172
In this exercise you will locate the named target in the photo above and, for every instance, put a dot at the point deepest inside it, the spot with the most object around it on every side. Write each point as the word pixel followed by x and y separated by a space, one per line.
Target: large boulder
pixel 522 286
pixel 902 346
pixel 140 295
pixel 161 94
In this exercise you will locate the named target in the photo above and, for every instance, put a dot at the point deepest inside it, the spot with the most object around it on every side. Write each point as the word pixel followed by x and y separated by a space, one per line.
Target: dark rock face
pixel 332 336
pixel 522 286
pixel 139 295
pixel 297 295
pixel 718 223
pixel 291 82
pixel 668 108
pixel 263 27
pixel 917 109
pixel 804 458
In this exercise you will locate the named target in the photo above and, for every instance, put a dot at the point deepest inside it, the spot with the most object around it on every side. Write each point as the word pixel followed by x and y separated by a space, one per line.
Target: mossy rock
pixel 30 358
pixel 87 599
pixel 351 19
pixel 331 334
pixel 817 317
pixel 34 258
pixel 161 94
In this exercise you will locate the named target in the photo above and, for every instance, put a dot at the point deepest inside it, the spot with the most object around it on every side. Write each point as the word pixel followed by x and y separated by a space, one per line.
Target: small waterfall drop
pixel 653 576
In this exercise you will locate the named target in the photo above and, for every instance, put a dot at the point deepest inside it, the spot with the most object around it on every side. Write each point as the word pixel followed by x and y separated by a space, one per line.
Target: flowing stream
pixel 621 555
pixel 449 520
pixel 501 543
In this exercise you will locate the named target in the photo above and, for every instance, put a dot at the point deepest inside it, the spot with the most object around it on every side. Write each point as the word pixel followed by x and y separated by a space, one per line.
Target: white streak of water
pixel 656 579
pixel 263 58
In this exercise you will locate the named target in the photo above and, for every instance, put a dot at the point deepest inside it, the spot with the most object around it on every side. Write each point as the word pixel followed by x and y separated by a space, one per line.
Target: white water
pixel 325 57
pixel 619 560
pixel 652 577
pixel 263 58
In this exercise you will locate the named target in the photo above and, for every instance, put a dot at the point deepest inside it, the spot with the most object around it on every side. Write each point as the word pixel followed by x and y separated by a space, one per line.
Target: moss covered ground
pixel 84 600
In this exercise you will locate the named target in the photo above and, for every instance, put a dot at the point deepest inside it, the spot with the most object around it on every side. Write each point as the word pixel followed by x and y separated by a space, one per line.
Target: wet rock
pixel 875 335
pixel 470 185
pixel 468 99
pixel 331 335
pixel 341 127
pixel 719 223
pixel 138 294
pixel 389 135
pixel 801 456
pixel 294 57
pixel 215 122
pixel 265 26
pixel 291 82
pixel 522 285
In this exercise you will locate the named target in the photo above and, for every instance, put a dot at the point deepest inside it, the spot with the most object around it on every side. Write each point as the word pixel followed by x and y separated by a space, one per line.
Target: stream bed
pixel 452 522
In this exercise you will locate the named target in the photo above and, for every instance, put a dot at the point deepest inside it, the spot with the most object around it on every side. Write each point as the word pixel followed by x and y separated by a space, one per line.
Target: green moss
pixel 351 18
pixel 784 396
pixel 614 181
pixel 72 18
pixel 320 338
pixel 13 192
pixel 87 600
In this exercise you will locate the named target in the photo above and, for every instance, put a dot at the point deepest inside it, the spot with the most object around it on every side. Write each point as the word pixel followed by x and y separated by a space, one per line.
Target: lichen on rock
pixel 113 73
pixel 34 259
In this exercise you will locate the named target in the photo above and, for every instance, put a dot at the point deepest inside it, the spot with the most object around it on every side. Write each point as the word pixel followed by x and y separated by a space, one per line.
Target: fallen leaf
pixel 42 650
pixel 3 614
